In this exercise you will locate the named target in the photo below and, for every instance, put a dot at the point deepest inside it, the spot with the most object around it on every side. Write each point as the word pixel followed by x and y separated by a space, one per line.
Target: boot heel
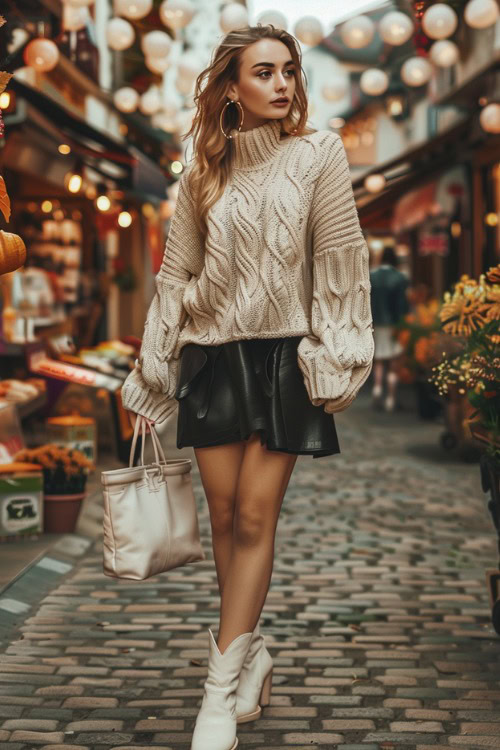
pixel 265 695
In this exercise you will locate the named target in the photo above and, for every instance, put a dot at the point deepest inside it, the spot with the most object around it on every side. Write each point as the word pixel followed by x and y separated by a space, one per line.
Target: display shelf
pixel 26 408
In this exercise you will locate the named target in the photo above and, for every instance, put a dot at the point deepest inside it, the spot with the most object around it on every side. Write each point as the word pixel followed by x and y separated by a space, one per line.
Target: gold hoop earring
pixel 231 101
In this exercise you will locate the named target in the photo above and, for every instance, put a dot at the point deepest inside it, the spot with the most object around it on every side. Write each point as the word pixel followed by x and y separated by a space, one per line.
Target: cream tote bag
pixel 150 521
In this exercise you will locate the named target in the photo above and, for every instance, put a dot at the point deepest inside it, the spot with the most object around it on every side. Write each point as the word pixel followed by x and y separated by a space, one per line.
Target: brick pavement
pixel 377 618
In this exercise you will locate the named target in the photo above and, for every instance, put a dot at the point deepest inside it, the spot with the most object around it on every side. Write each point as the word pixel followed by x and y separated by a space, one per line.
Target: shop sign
pixel 433 243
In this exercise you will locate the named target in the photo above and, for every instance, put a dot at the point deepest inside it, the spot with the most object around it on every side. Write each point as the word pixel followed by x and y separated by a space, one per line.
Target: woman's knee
pixel 253 524
pixel 221 516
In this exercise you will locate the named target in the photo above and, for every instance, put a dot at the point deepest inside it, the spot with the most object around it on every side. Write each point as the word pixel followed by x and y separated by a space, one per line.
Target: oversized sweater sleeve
pixel 336 358
pixel 149 389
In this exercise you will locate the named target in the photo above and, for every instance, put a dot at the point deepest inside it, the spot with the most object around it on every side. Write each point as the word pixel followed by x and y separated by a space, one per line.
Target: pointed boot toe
pixel 215 727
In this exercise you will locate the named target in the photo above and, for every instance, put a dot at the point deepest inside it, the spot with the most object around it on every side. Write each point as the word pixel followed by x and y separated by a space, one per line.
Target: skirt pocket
pixel 193 361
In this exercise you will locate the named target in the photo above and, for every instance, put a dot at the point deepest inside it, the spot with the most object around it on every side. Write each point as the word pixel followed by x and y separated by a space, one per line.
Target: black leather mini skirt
pixel 228 391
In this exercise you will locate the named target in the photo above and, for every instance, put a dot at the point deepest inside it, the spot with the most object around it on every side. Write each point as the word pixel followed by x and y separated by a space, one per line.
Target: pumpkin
pixel 12 252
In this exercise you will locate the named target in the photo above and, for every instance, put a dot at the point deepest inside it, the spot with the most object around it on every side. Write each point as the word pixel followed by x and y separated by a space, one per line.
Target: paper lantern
pixel 444 53
pixel 490 118
pixel 309 30
pixel 233 16
pixel 157 64
pixel 74 19
pixel 374 82
pixel 133 9
pixel 275 17
pixel 374 183
pixel 184 85
pixel 416 71
pixel 120 34
pixel 189 65
pixel 156 44
pixel 335 90
pixel 41 54
pixel 395 28
pixel 479 14
pixel 176 14
pixel 126 99
pixel 357 32
pixel 79 3
pixel 439 21
pixel 150 101
pixel 164 121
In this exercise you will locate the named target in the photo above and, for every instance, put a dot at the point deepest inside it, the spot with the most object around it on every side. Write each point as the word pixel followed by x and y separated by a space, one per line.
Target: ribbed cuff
pixel 150 404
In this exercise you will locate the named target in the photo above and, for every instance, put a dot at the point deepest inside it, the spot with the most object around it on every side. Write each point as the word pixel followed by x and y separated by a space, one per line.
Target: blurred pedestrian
pixel 389 302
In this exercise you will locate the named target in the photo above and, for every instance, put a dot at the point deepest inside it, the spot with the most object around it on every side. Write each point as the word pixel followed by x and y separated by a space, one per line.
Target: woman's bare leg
pixel 262 483
pixel 219 467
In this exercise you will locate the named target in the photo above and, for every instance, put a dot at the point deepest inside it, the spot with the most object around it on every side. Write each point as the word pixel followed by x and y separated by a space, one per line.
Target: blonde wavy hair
pixel 210 167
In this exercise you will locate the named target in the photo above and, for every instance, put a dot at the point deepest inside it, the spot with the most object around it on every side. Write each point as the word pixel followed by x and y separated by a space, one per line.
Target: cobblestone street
pixel 377 619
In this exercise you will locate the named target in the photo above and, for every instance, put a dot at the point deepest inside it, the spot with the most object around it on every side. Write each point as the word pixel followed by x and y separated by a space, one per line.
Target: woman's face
pixel 267 72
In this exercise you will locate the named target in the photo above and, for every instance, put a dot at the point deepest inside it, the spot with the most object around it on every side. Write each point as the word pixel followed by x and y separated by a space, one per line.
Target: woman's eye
pixel 291 70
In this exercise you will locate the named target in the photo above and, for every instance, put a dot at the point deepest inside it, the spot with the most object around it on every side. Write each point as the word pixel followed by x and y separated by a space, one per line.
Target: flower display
pixel 471 316
pixel 419 335
pixel 65 470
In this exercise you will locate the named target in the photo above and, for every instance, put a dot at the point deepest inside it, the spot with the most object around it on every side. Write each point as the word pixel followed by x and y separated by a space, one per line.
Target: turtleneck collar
pixel 256 146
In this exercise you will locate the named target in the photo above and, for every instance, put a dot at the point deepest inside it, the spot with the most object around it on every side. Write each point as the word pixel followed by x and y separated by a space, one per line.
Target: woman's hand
pixel 133 418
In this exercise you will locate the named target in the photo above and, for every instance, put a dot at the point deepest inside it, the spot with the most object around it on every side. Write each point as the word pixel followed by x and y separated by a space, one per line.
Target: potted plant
pixel 418 332
pixel 65 473
pixel 471 315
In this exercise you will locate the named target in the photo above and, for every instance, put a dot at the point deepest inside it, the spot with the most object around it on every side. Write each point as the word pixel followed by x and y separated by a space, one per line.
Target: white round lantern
pixel 444 53
pixel 164 121
pixel 416 71
pixel 79 3
pixel 357 32
pixel 439 21
pixel 490 118
pixel 274 17
pixel 309 30
pixel 479 14
pixel 42 55
pixel 233 16
pixel 189 65
pixel 176 14
pixel 374 82
pixel 126 99
pixel 395 28
pixel 184 85
pixel 374 183
pixel 157 64
pixel 335 90
pixel 120 34
pixel 156 44
pixel 133 9
pixel 150 101
pixel 74 19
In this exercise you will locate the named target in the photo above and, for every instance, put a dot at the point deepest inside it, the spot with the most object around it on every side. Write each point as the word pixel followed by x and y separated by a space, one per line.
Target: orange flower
pixel 404 337
pixel 493 274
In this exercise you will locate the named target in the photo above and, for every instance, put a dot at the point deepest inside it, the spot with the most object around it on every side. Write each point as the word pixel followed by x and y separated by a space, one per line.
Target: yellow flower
pixel 462 315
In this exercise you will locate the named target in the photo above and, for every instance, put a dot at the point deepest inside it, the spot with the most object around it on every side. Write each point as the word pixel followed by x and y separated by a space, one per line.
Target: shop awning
pixel 44 118
pixel 416 166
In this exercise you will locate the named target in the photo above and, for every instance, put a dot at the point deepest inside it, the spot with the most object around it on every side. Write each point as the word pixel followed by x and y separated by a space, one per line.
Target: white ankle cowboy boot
pixel 215 727
pixel 254 686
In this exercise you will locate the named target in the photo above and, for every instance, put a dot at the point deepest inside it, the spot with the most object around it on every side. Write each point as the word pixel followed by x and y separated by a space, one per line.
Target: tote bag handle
pixel 140 424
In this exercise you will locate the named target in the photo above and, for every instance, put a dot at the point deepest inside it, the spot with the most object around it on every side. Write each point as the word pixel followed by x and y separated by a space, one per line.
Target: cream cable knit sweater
pixel 284 256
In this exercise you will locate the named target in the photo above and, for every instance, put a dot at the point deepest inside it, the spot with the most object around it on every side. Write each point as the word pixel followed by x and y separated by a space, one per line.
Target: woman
pixel 389 303
pixel 262 314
